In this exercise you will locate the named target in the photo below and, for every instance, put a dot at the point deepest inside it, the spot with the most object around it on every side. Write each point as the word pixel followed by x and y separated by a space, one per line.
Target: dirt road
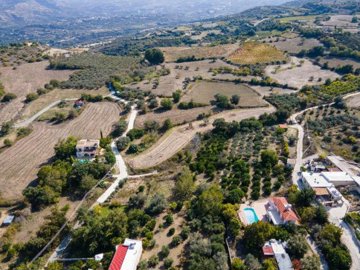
pixel 178 137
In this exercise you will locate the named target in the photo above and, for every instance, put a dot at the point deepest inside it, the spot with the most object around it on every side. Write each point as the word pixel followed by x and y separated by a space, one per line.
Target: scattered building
pixel 87 148
pixel 325 191
pixel 127 256
pixel 8 220
pixel 279 211
pixel 274 248
pixel 79 103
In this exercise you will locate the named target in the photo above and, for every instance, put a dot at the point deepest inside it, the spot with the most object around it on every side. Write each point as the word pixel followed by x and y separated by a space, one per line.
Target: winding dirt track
pixel 180 136
pixel 20 163
pixel 27 78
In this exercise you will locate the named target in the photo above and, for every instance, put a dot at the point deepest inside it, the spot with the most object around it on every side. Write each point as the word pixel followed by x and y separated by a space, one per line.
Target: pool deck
pixel 259 208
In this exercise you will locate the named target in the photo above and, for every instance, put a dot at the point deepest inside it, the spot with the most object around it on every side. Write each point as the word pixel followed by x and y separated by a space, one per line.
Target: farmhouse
pixel 127 255
pixel 279 211
pixel 87 148
pixel 276 249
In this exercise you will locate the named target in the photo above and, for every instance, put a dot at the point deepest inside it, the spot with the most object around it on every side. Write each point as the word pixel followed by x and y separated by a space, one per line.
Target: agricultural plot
pixel 19 164
pixel 343 22
pixel 27 78
pixel 299 72
pixel 172 54
pixel 166 85
pixel 338 62
pixel 177 116
pixel 256 53
pixel 178 137
pixel 335 131
pixel 203 92
pixel 58 94
pixel 293 45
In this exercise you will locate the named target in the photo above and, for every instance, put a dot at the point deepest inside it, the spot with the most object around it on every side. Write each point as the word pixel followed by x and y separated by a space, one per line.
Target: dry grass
pixel 178 137
pixel 27 78
pixel 174 53
pixel 293 45
pixel 297 74
pixel 175 115
pixel 336 62
pixel 55 95
pixel 253 53
pixel 203 92
pixel 20 163
pixel 178 72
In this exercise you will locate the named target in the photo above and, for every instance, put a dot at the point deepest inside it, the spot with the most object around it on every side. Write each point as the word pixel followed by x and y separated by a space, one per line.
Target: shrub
pixel 31 97
pixel 8 143
pixel 175 241
pixel 8 97
pixel 122 143
pixel 166 104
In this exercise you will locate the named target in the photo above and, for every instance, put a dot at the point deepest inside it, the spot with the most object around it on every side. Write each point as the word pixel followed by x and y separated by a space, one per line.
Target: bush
pixel 31 97
pixel 122 143
pixel 165 251
pixel 168 262
pixel 171 232
pixel 8 97
pixel 8 143
pixel 166 104
pixel 154 56
pixel 175 241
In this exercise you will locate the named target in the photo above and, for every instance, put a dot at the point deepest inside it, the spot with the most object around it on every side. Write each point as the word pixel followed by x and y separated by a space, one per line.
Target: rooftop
pixel 337 176
pixel 278 250
pixel 88 143
pixel 315 180
pixel 127 255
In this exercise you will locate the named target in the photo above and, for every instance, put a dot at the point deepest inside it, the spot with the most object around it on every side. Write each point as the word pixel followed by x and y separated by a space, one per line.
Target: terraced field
pixel 25 79
pixel 19 164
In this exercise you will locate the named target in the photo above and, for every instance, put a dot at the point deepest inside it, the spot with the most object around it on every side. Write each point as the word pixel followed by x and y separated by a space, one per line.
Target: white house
pixel 127 256
pixel 87 148
pixel 325 191
pixel 279 211
pixel 276 248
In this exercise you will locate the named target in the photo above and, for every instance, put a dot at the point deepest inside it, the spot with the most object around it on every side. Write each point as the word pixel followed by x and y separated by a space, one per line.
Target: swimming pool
pixel 250 215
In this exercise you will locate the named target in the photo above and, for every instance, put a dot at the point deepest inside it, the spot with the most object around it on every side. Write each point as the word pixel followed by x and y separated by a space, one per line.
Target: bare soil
pixel 178 72
pixel 175 115
pixel 174 53
pixel 25 79
pixel 19 164
pixel 297 74
pixel 336 62
pixel 293 45
pixel 204 91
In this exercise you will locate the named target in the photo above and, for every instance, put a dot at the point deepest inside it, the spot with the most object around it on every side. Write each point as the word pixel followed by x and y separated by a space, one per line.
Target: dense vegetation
pixel 94 70
pixel 65 176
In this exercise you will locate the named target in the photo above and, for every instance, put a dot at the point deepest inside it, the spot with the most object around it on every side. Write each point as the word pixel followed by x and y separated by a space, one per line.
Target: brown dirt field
pixel 174 81
pixel 27 78
pixel 354 102
pixel 293 45
pixel 55 95
pixel 253 53
pixel 178 137
pixel 204 91
pixel 19 164
pixel 343 22
pixel 174 53
pixel 177 116
pixel 335 62
pixel 267 90
pixel 298 76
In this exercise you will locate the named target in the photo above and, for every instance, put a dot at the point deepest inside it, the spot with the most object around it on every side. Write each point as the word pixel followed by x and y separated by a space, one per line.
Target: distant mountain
pixel 70 22
pixel 21 12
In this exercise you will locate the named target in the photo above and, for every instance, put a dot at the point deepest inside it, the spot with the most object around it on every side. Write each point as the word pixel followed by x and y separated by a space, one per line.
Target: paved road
pixel 300 142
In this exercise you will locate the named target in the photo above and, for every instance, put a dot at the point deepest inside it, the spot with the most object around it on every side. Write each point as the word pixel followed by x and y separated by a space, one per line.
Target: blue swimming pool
pixel 250 215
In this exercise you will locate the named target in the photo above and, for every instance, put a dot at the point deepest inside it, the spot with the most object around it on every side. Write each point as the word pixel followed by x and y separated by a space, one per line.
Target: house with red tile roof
pixel 127 256
pixel 276 249
pixel 279 211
